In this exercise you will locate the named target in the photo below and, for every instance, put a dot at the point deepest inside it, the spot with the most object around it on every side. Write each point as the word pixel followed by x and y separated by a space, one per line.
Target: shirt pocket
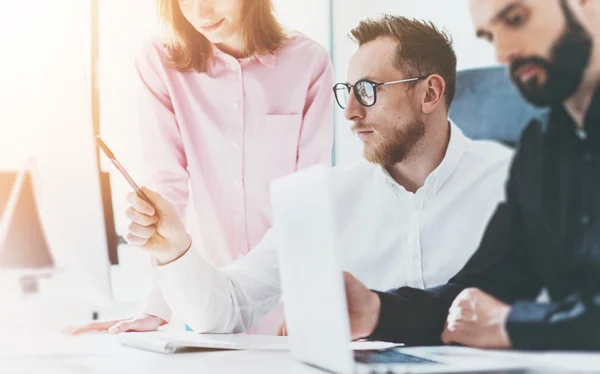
pixel 273 151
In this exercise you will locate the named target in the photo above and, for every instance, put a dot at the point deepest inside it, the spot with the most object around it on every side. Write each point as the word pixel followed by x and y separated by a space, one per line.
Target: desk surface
pixel 100 353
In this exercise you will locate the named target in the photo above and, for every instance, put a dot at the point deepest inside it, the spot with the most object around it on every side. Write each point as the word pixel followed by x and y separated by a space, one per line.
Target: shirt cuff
pixel 194 290
pixel 386 318
pixel 176 274
pixel 156 304
pixel 528 328
pixel 410 316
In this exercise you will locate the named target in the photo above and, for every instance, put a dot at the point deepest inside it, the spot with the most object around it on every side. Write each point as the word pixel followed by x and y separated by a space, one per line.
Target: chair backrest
pixel 488 106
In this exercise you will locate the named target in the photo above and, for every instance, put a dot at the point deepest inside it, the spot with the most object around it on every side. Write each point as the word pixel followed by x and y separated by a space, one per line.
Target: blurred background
pixel 67 73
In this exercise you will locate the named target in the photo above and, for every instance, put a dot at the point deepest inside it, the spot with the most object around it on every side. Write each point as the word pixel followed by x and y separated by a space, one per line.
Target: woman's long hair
pixel 260 32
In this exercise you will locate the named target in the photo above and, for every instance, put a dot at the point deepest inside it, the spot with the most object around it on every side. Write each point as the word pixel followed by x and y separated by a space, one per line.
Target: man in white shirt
pixel 412 216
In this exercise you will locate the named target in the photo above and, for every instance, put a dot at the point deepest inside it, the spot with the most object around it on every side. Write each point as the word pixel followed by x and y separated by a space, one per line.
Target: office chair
pixel 488 106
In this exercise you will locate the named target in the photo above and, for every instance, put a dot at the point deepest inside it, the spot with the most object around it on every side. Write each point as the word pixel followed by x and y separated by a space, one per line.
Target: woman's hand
pixel 140 323
pixel 156 228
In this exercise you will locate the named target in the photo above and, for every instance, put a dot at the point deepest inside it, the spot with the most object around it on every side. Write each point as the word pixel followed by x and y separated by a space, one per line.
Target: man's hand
pixel 138 324
pixel 282 330
pixel 363 307
pixel 476 319
pixel 157 229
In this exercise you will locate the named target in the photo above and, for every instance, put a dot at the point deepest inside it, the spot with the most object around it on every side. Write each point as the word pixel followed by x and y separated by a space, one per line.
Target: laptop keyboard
pixel 389 356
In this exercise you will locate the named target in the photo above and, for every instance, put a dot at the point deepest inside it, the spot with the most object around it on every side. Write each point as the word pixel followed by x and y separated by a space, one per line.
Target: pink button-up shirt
pixel 225 134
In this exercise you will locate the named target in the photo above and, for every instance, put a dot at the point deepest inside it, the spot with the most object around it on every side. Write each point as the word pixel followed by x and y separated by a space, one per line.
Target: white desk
pixel 101 353
pixel 23 352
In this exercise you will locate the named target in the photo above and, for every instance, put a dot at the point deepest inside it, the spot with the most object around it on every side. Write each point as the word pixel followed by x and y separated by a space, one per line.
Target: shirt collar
pixel 268 60
pixel 454 153
pixel 391 182
pixel 592 118
pixel 442 173
pixel 563 130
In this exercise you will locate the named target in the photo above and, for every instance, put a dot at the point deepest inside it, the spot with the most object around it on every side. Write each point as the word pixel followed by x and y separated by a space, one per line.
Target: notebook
pixel 168 342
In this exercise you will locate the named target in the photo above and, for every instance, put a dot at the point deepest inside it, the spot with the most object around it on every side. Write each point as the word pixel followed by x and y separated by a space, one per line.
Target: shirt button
pixel 235 106
pixel 585 219
pixel 587 157
pixel 238 218
pixel 237 186
pixel 233 68
pixel 235 145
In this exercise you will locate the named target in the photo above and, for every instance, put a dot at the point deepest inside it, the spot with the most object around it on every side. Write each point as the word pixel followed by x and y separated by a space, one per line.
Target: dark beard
pixel 570 58
pixel 397 145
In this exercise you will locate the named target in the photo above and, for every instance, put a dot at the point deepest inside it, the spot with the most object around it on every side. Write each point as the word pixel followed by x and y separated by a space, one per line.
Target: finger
pixel 140 218
pixel 450 337
pixel 467 298
pixel 455 321
pixel 453 335
pixel 141 231
pixel 454 325
pixel 98 326
pixel 459 325
pixel 465 295
pixel 158 201
pixel 349 278
pixel 461 314
pixel 459 302
pixel 135 324
pixel 447 337
pixel 152 195
pixel 454 313
pixel 353 285
pixel 121 327
pixel 72 330
pixel 450 322
pixel 124 326
pixel 282 331
pixel 163 206
pixel 140 204
pixel 93 327
pixel 136 241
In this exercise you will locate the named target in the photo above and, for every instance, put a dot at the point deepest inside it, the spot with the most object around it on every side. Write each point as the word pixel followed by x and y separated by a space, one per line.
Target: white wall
pixel 311 17
pixel 452 15
pixel 28 59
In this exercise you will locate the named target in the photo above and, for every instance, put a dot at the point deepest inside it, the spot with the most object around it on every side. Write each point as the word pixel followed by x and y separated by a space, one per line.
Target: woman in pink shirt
pixel 227 104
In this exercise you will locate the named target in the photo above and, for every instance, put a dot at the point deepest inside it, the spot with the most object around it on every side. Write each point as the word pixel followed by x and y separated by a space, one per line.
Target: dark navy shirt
pixel 545 236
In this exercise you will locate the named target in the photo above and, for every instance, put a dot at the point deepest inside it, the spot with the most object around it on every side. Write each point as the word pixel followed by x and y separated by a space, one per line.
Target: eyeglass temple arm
pixel 400 81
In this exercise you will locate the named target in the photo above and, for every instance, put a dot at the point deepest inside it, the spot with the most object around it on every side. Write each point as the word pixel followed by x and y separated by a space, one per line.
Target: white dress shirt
pixel 389 237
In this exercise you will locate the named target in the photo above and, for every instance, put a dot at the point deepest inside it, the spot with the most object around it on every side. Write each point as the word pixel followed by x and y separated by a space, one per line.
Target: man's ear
pixel 585 11
pixel 435 93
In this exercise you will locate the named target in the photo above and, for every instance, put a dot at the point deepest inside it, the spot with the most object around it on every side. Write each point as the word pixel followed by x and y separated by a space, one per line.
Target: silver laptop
pixel 314 296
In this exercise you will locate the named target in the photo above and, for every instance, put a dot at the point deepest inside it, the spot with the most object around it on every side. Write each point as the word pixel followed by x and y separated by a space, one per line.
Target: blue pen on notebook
pixel 118 165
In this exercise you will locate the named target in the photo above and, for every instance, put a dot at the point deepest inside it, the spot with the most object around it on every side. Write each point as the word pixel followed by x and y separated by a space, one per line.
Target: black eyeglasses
pixel 365 91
